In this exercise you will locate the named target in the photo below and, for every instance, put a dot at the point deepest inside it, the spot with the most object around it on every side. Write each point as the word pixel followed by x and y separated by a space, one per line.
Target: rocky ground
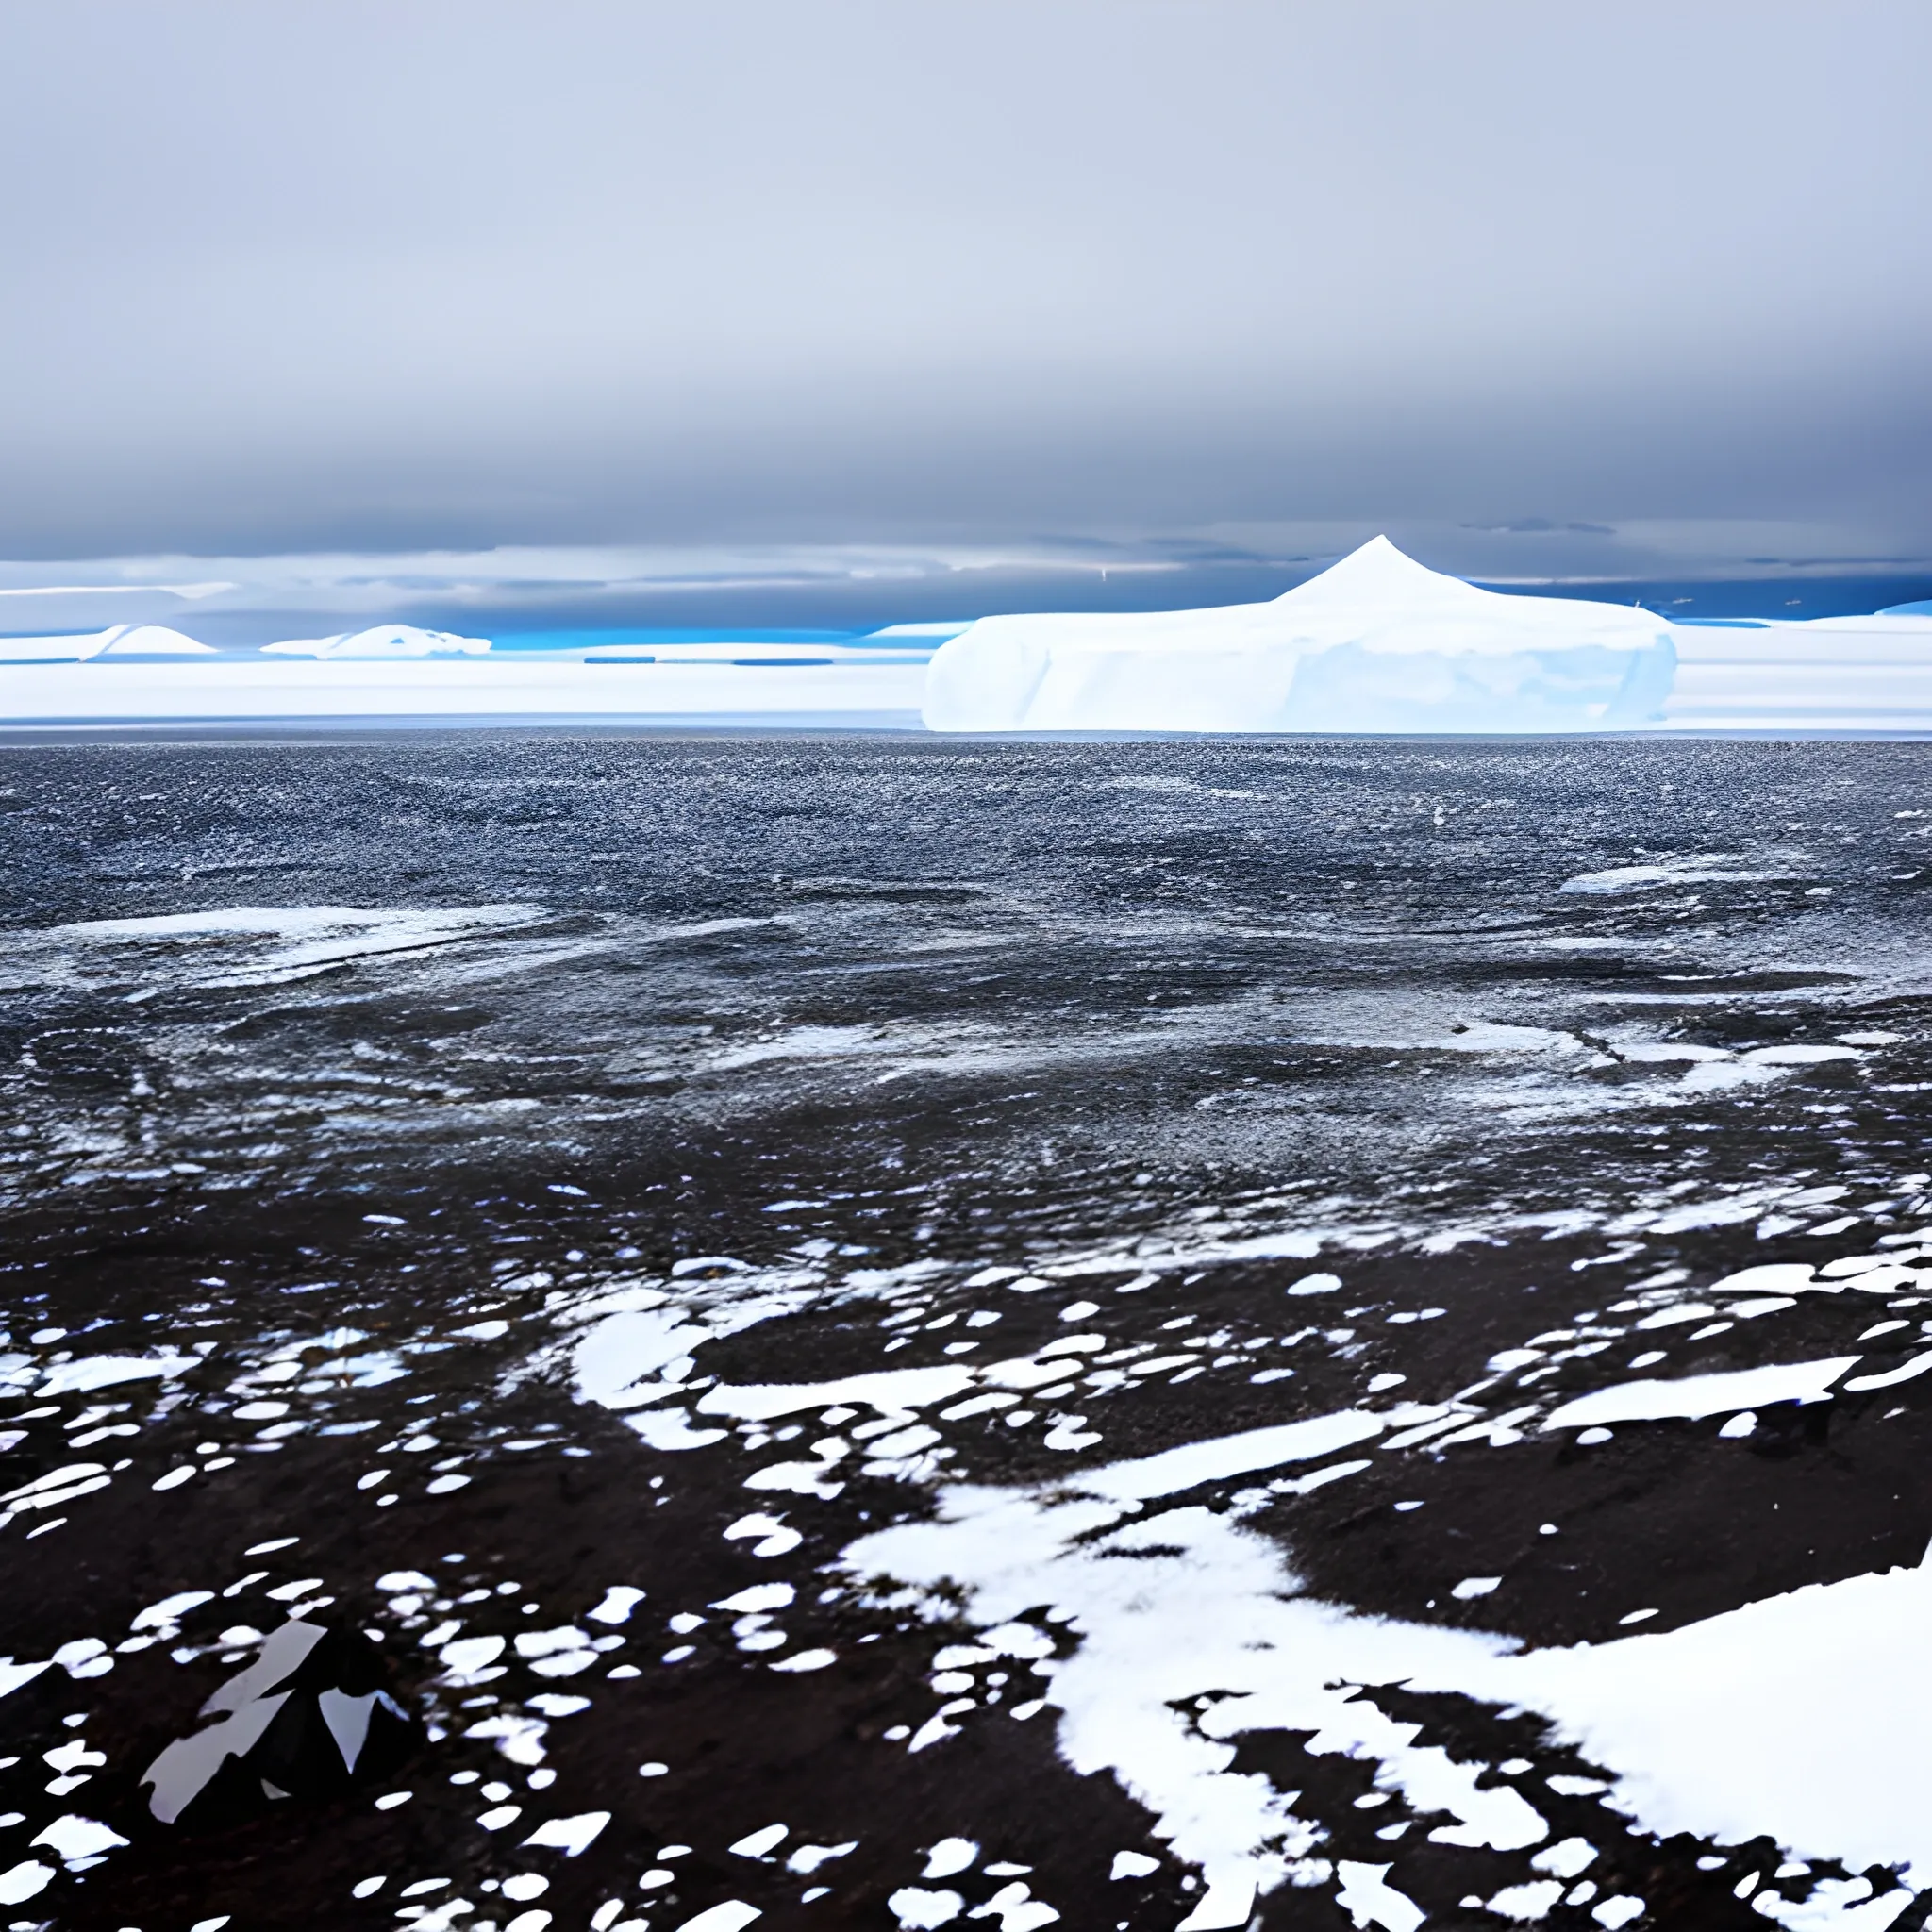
pixel 885 1331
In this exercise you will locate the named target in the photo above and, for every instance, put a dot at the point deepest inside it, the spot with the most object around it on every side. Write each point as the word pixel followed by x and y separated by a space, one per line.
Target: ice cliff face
pixel 1376 644
pixel 1833 674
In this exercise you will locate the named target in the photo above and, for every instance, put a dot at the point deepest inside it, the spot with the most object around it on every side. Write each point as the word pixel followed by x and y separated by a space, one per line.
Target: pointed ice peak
pixel 151 641
pixel 1379 574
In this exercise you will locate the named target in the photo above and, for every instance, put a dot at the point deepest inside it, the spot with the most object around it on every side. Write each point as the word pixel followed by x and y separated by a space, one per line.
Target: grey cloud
pixel 1539 526
pixel 337 273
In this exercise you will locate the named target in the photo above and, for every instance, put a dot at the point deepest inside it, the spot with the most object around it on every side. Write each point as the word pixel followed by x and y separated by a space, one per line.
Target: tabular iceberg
pixel 382 640
pixel 1376 644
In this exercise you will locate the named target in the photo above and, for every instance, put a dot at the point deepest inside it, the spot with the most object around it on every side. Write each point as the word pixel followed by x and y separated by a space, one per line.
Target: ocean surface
pixel 883 1332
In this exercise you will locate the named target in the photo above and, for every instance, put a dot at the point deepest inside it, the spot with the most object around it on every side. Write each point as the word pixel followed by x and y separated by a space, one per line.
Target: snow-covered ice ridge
pixel 1381 643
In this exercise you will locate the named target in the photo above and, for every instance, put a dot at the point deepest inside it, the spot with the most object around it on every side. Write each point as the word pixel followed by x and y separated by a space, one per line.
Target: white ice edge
pixel 268 687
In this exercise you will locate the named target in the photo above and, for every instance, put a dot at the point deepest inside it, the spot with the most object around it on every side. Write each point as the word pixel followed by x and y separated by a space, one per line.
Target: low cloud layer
pixel 1682 567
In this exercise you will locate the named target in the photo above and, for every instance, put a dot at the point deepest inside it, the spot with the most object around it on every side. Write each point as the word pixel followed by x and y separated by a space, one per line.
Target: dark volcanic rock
pixel 309 1718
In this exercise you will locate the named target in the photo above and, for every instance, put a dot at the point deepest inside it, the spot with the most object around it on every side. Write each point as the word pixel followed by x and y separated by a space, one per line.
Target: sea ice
pixel 118 641
pixel 1378 642
pixel 1368 1901
pixel 571 1836
pixel 1717 1727
pixel 886 1389
pixel 382 640
pixel 261 945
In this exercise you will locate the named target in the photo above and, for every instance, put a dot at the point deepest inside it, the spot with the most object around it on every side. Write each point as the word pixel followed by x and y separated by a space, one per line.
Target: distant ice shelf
pixel 460 688
pixel 1837 674
pixel 382 640
pixel 120 640
pixel 1379 644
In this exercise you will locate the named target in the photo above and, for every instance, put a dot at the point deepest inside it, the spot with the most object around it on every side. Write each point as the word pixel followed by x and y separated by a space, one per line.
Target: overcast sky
pixel 456 274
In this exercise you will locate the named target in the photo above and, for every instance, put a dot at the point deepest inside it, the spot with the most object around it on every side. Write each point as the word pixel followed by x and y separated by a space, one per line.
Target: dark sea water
pixel 479 1194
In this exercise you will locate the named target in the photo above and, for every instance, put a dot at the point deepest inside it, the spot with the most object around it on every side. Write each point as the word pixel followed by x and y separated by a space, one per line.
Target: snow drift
pixel 1378 642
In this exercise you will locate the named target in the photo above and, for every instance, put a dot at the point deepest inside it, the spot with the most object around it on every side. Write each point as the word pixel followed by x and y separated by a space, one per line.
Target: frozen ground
pixel 898 1333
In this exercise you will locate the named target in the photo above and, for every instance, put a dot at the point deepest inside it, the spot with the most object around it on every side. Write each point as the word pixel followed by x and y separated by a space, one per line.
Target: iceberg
pixel 382 640
pixel 1379 643
pixel 1376 644
pixel 117 641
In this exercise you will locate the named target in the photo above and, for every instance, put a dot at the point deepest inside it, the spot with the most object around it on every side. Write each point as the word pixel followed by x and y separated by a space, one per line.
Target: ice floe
pixel 886 1389
pixel 1136 1588
pixel 1718 1727
pixel 260 946
pixel 307 1717
pixel 1220 1457
pixel 571 1836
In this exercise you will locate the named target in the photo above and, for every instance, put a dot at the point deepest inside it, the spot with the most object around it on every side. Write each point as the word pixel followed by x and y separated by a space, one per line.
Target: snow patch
pixel 1691 1397
pixel 1194 1631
